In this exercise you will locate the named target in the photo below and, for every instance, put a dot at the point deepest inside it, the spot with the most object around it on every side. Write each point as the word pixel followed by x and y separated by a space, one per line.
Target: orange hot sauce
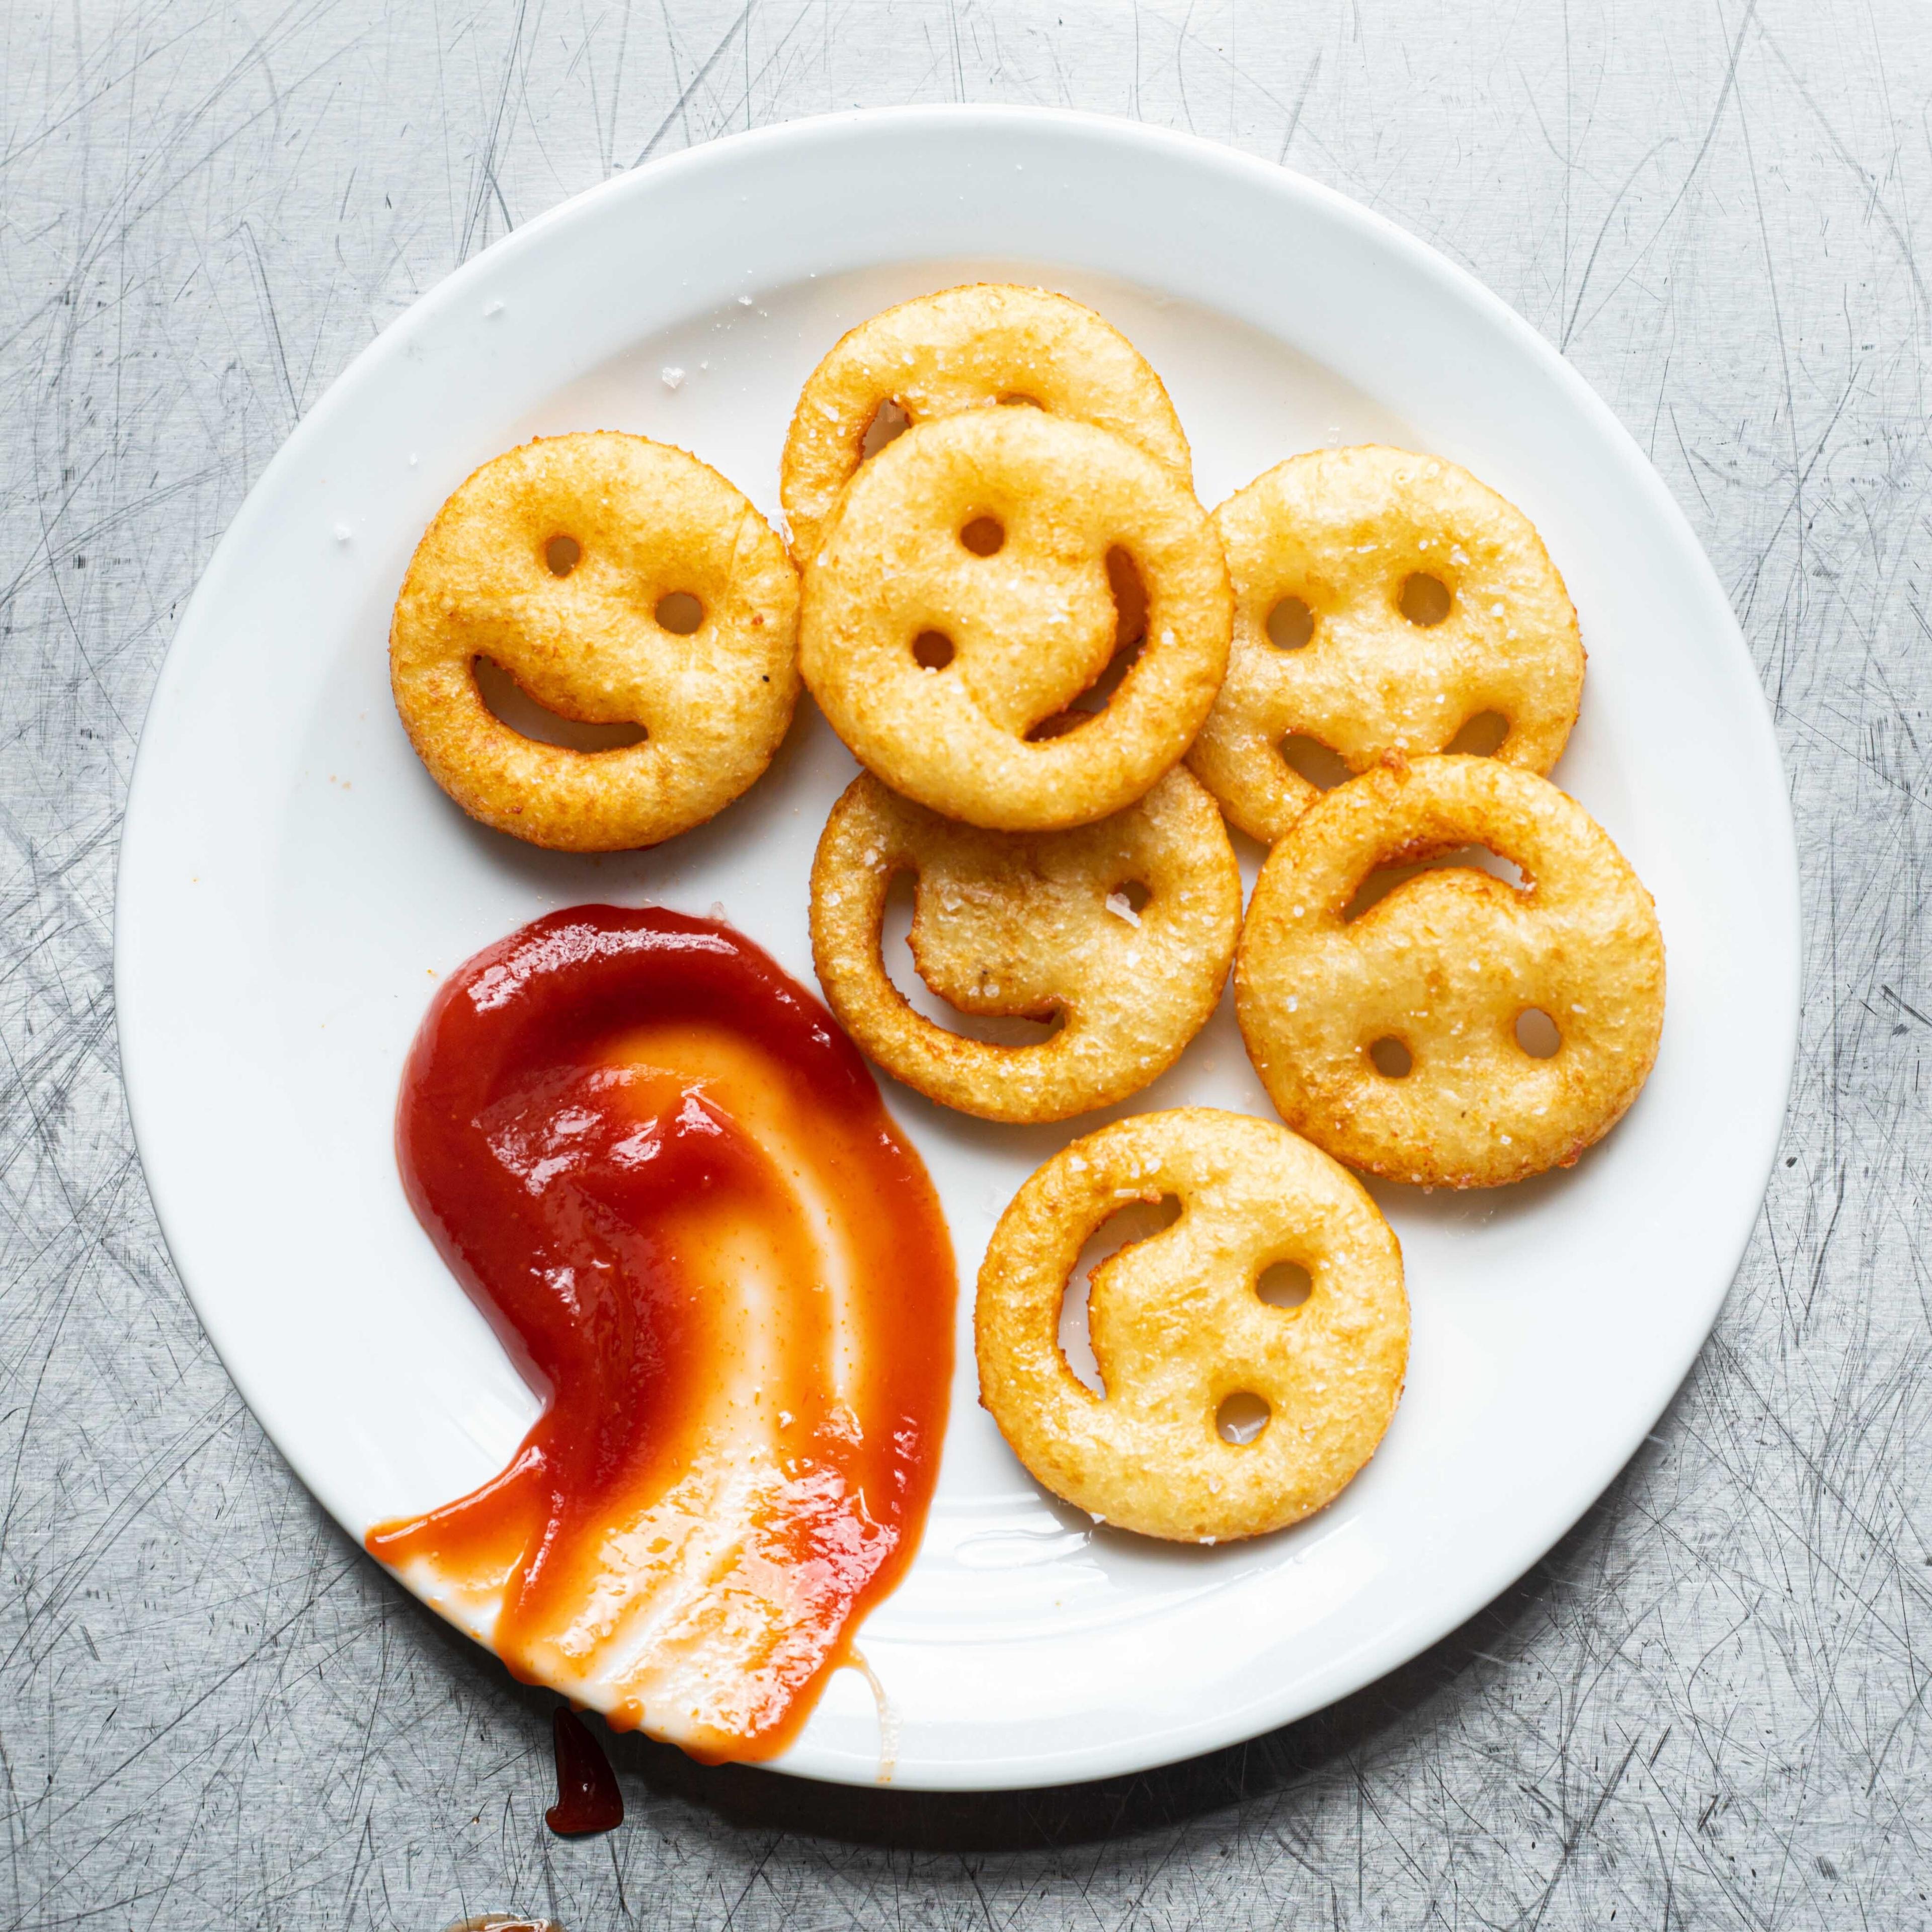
pixel 658 1165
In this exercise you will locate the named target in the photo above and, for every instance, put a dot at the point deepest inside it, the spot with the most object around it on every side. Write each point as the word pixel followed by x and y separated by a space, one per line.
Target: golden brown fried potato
pixel 555 562
pixel 1384 602
pixel 1179 1327
pixel 1037 925
pixel 963 349
pixel 963 601
pixel 1403 1040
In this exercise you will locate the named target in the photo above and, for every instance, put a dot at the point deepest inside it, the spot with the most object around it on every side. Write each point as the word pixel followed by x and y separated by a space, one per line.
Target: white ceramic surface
pixel 291 883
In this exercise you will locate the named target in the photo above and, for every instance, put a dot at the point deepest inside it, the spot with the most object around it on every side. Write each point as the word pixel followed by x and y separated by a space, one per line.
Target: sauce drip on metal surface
pixel 588 1798
pixel 668 1177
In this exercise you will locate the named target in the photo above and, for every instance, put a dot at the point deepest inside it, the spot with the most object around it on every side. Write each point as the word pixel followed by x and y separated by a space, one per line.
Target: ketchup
pixel 667 1178
pixel 588 1797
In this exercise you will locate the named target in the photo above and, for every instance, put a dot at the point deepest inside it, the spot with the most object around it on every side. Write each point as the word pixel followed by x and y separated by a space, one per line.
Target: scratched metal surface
pixel 1708 1707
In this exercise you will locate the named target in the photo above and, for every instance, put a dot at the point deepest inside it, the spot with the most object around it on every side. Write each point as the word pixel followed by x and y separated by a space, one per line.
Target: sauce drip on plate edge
pixel 667 1178
pixel 589 1799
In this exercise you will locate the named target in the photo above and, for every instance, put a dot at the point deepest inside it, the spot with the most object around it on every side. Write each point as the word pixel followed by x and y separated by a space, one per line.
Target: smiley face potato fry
pixel 965 349
pixel 1179 1326
pixel 1039 926
pixel 963 599
pixel 559 562
pixel 1383 602
pixel 1441 974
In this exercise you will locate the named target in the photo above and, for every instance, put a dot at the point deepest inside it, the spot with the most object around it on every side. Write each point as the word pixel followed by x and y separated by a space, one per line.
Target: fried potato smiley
pixel 963 348
pixel 1384 602
pixel 1183 1335
pixel 1405 1040
pixel 962 604
pixel 617 580
pixel 1121 931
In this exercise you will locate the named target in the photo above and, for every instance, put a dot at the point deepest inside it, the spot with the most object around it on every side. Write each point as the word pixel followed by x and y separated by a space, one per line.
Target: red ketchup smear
pixel 668 1177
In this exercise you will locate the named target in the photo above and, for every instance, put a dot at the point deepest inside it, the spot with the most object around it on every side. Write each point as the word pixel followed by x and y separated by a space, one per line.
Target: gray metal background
pixel 1708 1707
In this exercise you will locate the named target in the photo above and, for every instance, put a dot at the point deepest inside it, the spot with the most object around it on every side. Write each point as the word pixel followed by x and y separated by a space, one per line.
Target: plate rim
pixel 1445 1611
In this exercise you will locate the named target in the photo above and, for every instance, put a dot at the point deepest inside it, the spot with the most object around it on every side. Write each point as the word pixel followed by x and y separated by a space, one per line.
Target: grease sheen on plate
pixel 280 933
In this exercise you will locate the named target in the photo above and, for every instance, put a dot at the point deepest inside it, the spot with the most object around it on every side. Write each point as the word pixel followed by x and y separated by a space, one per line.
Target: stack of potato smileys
pixel 1060 674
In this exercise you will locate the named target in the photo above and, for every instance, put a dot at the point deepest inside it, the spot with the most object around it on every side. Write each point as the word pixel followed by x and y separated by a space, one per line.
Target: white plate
pixel 292 882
